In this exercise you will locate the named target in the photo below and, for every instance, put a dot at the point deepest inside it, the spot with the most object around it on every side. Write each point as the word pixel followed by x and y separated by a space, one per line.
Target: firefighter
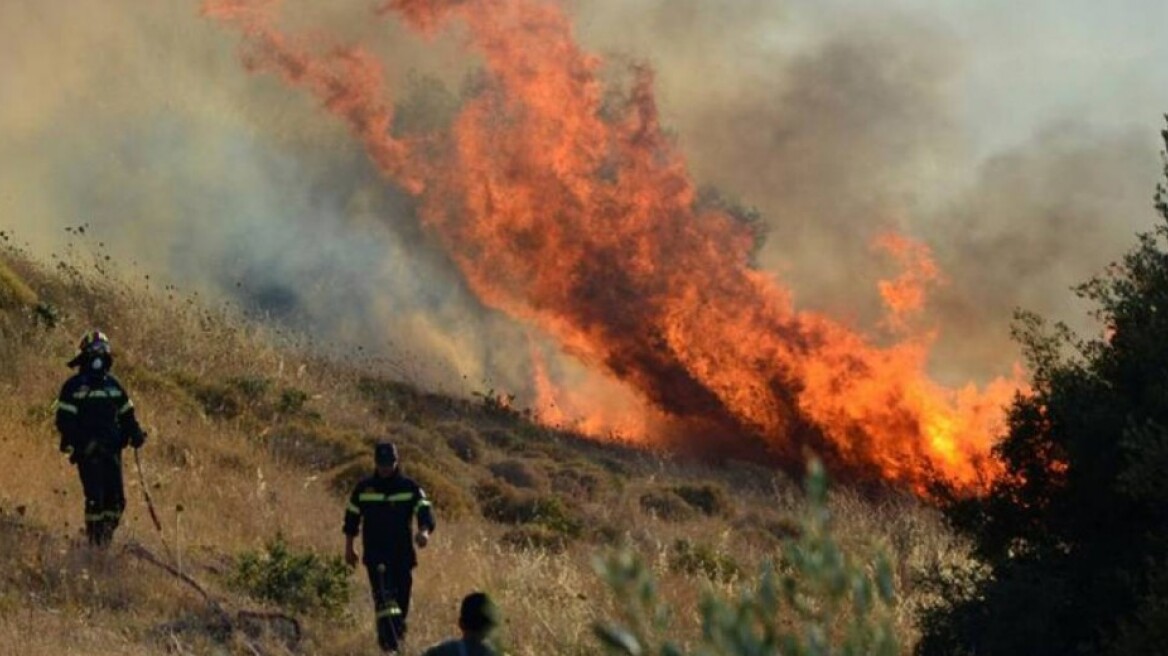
pixel 382 509
pixel 477 619
pixel 95 418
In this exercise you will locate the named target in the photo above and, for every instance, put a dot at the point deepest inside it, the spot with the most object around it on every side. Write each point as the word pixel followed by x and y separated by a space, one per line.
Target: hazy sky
pixel 1018 139
pixel 1036 62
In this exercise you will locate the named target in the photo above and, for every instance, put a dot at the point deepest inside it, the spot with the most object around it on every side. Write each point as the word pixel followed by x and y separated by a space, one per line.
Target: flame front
pixel 570 210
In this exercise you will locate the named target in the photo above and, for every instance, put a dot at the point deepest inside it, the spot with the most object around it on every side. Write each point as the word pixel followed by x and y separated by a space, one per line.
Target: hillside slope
pixel 254 436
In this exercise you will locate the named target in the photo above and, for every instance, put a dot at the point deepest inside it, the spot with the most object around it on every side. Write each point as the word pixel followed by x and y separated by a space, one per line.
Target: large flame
pixel 568 208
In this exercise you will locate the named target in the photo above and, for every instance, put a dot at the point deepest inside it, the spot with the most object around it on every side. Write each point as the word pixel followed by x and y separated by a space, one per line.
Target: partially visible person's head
pixel 385 458
pixel 478 615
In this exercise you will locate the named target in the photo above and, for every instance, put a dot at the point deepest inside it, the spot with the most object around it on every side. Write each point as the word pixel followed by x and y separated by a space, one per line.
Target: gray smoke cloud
pixel 838 124
pixel 1019 143
pixel 137 120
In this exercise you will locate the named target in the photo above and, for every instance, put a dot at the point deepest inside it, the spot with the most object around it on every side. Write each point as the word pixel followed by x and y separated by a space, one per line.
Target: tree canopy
pixel 1076 537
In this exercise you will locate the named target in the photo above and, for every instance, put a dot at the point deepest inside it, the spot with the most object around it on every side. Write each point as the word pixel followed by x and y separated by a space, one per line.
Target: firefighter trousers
pixel 391 587
pixel 105 498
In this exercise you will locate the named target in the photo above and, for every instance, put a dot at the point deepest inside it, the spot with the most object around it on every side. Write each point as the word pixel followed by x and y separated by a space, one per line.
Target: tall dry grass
pixel 254 433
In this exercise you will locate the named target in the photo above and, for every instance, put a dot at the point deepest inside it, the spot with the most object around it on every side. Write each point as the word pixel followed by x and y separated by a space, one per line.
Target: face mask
pixel 97 364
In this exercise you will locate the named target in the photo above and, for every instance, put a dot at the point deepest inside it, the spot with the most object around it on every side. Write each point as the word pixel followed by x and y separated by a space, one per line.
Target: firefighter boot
pixel 93 532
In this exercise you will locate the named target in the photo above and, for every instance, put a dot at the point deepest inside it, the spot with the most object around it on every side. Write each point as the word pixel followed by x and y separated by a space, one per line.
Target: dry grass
pixel 253 435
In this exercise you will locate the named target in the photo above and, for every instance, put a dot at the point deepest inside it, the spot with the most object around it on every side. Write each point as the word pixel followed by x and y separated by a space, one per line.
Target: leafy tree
pixel 1075 536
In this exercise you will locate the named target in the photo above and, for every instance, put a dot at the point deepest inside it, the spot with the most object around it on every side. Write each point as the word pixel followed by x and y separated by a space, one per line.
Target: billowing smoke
pixel 1020 145
pixel 839 126
pixel 137 120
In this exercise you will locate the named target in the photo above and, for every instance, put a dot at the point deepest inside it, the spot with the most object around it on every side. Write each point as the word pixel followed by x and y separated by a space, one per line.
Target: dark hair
pixel 478 613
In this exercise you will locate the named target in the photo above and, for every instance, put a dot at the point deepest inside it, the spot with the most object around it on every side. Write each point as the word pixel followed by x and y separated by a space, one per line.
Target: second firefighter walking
pixel 382 509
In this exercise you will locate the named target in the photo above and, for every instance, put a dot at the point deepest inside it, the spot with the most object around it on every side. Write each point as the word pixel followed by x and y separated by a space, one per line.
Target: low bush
pixel 463 441
pixel 518 473
pixel 291 401
pixel 297 581
pixel 502 503
pixel 577 483
pixel 689 558
pixel 665 505
pixel 709 499
pixel 818 601
pixel 450 500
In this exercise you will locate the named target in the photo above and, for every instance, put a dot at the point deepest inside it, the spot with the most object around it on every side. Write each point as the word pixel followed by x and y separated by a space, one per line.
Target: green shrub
pixel 449 498
pixel 47 314
pixel 463 441
pixel 709 499
pixel 577 483
pixel 818 602
pixel 291 401
pixel 252 389
pixel 664 504
pixel 502 503
pixel 702 559
pixel 218 401
pixel 300 582
pixel 518 473
pixel 497 404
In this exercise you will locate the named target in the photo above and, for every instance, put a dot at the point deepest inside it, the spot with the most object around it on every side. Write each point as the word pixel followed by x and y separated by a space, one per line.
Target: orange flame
pixel 905 296
pixel 577 214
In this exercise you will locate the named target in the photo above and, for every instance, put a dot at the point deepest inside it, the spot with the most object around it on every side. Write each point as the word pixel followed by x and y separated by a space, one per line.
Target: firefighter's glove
pixel 138 439
pixel 422 539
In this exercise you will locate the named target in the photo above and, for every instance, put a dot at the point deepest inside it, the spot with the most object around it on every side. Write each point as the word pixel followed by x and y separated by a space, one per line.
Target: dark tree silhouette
pixel 1076 537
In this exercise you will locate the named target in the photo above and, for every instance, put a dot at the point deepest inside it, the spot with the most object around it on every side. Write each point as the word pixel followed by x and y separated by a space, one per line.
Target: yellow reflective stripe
pixel 110 393
pixel 422 503
pixel 392 611
pixel 94 517
pixel 66 407
pixel 353 509
pixel 126 407
pixel 388 498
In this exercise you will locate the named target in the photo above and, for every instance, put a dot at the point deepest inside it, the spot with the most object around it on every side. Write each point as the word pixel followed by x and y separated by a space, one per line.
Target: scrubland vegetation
pixel 255 438
pixel 588 547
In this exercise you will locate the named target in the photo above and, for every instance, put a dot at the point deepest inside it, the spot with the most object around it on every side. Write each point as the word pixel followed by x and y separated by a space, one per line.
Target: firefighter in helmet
pixel 95 418
pixel 382 509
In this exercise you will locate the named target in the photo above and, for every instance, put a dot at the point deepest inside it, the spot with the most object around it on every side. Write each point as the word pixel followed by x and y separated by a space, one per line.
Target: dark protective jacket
pixel 382 509
pixel 94 414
